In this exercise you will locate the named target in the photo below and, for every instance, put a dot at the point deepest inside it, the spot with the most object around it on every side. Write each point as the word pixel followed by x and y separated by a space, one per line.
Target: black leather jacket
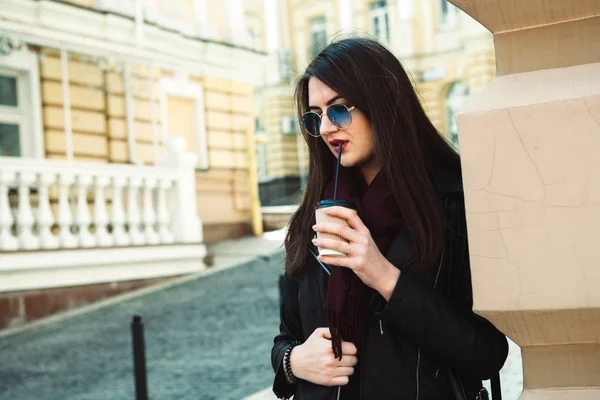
pixel 412 340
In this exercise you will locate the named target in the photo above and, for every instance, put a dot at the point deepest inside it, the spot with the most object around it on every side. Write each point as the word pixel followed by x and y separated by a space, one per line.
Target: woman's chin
pixel 347 163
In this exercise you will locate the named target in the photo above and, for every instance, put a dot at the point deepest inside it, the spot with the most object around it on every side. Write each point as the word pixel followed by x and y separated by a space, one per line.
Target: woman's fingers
pixel 346 262
pixel 348 348
pixel 343 371
pixel 348 361
pixel 324 333
pixel 341 376
pixel 339 381
pixel 337 229
pixel 331 244
pixel 349 215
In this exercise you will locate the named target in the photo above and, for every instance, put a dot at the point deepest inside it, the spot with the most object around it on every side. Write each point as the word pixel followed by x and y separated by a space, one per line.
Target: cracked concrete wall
pixel 533 188
pixel 530 148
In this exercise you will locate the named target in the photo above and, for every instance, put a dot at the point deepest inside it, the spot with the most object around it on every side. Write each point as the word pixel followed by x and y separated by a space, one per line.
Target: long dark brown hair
pixel 406 144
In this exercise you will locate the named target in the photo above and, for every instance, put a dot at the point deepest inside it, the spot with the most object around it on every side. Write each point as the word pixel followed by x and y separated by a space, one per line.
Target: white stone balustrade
pixel 51 204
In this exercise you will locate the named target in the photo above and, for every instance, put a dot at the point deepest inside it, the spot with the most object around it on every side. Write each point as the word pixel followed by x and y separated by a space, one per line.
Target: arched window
pixel 456 96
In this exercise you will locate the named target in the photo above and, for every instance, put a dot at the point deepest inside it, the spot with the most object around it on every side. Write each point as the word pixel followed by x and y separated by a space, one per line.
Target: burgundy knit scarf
pixel 347 295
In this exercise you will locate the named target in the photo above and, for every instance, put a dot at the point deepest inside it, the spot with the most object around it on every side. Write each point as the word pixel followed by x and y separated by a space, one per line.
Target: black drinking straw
pixel 337 171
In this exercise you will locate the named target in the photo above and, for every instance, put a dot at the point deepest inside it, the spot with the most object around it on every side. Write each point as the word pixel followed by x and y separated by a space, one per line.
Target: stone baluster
pixel 134 218
pixel 83 218
pixel 25 217
pixel 7 240
pixel 45 217
pixel 65 214
pixel 117 219
pixel 103 238
pixel 185 222
pixel 150 212
pixel 163 218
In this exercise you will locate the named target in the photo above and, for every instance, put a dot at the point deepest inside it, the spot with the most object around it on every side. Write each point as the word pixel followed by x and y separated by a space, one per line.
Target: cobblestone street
pixel 207 338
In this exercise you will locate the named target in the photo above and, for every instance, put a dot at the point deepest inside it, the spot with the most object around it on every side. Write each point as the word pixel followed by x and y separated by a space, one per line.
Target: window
pixel 448 15
pixel 261 150
pixel 318 35
pixel 379 21
pixel 286 70
pixel 11 115
pixel 456 96
pixel 261 160
pixel 182 108
pixel 20 111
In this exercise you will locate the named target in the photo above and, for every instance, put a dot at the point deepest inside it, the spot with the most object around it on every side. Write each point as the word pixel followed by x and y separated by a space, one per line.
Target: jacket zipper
pixel 418 367
pixel 380 327
pixel 419 349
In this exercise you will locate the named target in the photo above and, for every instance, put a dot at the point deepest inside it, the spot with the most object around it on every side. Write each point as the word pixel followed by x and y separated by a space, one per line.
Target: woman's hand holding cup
pixel 362 255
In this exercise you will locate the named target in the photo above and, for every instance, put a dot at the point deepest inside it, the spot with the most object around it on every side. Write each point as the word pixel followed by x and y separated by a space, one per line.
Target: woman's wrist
pixel 388 282
pixel 287 362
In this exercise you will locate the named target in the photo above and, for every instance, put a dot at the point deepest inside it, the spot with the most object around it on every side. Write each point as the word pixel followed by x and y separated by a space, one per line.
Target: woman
pixel 394 319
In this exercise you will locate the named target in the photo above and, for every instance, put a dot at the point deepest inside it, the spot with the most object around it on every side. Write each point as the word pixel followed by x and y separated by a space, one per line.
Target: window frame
pixel 315 47
pixel 381 13
pixel 451 21
pixel 183 87
pixel 23 64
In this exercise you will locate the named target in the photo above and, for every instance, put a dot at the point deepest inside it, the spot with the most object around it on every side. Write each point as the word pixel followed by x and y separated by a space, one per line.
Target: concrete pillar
pixel 530 144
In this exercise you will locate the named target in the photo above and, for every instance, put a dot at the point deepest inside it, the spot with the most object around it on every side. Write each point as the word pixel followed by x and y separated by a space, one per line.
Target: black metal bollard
pixel 139 358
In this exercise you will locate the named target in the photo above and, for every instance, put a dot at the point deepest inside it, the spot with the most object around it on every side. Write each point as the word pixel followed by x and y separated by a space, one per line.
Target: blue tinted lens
pixel 339 115
pixel 312 123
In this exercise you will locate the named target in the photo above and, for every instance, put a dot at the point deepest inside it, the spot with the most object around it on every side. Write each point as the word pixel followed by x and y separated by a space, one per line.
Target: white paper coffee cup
pixel 321 217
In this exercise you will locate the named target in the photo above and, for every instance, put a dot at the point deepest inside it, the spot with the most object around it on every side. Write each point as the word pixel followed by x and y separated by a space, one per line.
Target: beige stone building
pixel 96 184
pixel 449 55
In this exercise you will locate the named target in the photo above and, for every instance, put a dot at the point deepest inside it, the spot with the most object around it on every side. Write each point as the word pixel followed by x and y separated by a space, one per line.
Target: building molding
pixel 181 86
pixel 75 267
pixel 60 25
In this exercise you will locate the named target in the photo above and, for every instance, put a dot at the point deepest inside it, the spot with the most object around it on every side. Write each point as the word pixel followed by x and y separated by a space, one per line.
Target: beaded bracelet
pixel 286 362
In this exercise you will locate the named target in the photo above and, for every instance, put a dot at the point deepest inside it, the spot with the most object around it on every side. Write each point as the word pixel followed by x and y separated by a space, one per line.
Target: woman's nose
pixel 326 126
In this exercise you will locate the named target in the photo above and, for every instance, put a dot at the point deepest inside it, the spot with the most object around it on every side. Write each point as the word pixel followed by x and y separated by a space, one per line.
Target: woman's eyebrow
pixel 328 103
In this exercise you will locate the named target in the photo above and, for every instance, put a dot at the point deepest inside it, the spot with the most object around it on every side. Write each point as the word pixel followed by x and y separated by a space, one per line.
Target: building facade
pixel 449 55
pixel 126 143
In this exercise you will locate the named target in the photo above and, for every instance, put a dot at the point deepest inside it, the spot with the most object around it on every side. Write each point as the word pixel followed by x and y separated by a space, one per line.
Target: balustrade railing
pixel 52 204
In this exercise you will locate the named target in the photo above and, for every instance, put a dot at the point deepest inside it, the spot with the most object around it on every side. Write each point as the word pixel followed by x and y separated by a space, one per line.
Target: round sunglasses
pixel 339 114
